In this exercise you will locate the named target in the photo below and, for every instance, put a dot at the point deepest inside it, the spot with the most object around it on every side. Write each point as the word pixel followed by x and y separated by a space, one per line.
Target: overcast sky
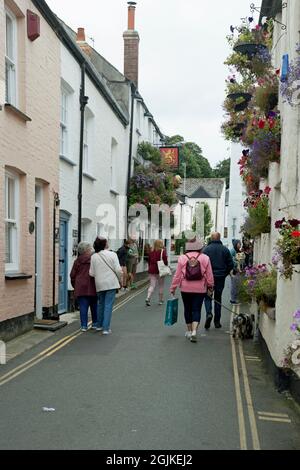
pixel 182 50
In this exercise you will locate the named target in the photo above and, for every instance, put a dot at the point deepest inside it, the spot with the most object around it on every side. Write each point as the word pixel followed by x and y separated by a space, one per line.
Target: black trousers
pixel 192 306
pixel 219 287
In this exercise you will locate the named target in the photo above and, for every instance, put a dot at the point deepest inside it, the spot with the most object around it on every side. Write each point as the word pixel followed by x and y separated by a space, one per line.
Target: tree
pixel 192 162
pixel 222 170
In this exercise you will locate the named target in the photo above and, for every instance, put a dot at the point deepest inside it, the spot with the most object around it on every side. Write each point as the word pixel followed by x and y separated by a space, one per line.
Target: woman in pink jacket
pixel 194 277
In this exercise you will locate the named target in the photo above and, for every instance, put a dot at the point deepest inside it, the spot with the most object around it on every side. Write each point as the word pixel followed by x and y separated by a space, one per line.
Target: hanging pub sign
pixel 170 156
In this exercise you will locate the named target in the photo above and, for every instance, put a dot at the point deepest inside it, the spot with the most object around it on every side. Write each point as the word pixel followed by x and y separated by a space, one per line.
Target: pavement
pixel 145 387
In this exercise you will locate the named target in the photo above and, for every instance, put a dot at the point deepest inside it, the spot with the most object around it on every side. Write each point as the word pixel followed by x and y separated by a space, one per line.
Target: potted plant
pixel 266 293
pixel 250 57
pixel 266 93
pixel 258 220
pixel 238 96
pixel 287 251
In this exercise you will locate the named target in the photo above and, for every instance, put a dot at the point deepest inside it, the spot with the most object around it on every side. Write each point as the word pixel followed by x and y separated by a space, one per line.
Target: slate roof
pixel 202 188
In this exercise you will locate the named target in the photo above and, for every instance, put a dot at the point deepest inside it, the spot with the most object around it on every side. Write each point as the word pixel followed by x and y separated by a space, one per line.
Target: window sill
pixel 17 276
pixel 17 112
pixel 88 176
pixel 67 160
pixel 115 193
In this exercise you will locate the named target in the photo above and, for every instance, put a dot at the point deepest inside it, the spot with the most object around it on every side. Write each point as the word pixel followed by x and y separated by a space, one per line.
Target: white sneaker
pixel 194 337
pixel 188 334
pixel 99 329
pixel 106 333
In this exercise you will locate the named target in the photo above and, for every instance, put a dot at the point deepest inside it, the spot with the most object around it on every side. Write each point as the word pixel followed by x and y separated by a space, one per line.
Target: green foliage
pixel 192 162
pixel 180 244
pixel 258 220
pixel 149 153
pixel 222 170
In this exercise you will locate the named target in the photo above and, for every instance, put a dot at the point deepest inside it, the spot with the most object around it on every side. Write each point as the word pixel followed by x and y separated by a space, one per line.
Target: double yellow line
pixel 54 348
pixel 248 398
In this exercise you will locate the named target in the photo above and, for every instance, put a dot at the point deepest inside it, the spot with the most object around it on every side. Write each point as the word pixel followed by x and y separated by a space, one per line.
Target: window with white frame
pixel 113 165
pixel 88 142
pixel 64 123
pixel 11 222
pixel 10 58
pixel 86 147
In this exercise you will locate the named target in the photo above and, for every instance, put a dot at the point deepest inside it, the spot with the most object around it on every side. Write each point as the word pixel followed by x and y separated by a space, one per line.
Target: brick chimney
pixel 81 42
pixel 131 47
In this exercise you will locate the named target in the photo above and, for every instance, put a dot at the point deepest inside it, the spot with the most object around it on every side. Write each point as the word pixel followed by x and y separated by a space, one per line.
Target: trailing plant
pixel 258 220
pixel 149 153
pixel 266 93
pixel 287 251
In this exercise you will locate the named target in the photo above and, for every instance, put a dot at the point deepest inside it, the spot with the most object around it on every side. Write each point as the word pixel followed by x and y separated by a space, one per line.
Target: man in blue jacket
pixel 222 265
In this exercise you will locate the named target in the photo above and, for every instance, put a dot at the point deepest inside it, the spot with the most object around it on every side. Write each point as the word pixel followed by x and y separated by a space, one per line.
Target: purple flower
pixel 250 19
pixel 294 327
pixel 297 315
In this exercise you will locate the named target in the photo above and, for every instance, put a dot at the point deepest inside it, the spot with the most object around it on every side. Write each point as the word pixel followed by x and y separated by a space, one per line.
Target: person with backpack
pixel 194 277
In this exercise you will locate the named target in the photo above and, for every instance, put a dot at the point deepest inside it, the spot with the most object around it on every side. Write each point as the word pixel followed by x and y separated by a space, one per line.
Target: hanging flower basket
pixel 242 100
pixel 250 49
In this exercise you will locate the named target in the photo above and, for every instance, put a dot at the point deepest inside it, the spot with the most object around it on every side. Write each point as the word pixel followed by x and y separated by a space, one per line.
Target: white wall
pixel 105 128
pixel 285 196
pixel 237 195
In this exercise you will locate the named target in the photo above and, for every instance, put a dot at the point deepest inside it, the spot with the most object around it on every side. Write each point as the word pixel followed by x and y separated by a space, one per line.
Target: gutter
pixel 53 22
pixel 270 8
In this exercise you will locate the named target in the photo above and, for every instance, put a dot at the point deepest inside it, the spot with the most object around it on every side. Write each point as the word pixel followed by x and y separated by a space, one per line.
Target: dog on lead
pixel 242 326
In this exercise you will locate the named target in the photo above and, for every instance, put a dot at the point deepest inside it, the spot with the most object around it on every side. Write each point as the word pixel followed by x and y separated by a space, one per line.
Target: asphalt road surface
pixel 145 387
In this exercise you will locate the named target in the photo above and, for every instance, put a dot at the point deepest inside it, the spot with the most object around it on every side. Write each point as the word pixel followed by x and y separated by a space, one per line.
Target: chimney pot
pixel 81 35
pixel 131 15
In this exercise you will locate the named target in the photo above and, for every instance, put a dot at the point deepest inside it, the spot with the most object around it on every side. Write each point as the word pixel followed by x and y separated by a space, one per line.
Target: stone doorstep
pixel 23 343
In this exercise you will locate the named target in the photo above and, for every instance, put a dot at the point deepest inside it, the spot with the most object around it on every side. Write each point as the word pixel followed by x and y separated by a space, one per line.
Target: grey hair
pixel 83 247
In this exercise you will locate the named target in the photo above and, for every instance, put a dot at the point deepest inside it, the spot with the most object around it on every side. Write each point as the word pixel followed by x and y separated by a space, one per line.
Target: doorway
pixel 38 252
pixel 63 263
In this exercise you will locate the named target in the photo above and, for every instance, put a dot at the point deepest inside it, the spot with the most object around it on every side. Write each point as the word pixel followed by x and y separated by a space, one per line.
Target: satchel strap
pixel 109 266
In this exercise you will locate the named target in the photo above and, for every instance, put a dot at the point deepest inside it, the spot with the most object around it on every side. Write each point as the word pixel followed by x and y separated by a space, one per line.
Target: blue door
pixel 63 265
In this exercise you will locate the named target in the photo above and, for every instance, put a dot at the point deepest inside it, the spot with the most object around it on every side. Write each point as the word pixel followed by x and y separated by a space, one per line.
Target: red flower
pixel 261 124
pixel 278 72
pixel 267 190
pixel 296 234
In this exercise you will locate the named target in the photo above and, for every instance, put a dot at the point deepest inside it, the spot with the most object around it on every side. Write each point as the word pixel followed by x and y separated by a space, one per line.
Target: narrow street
pixel 145 387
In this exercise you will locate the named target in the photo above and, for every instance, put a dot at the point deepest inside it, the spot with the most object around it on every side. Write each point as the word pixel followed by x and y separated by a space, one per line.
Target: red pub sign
pixel 170 156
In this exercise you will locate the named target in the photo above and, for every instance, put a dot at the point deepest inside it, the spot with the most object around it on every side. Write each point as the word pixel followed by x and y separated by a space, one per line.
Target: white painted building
pixel 194 191
pixel 285 183
pixel 237 196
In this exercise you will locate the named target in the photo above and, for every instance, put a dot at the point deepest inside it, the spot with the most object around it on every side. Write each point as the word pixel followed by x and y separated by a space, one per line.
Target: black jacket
pixel 220 257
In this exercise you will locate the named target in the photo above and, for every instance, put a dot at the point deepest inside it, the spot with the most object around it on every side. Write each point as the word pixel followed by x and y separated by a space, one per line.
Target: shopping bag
pixel 163 269
pixel 172 312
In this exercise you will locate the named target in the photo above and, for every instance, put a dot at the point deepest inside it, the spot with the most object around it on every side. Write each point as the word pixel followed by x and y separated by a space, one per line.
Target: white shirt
pixel 106 270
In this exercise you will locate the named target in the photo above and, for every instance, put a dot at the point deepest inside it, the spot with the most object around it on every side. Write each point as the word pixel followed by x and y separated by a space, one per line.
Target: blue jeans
pixel 84 304
pixel 219 287
pixel 106 301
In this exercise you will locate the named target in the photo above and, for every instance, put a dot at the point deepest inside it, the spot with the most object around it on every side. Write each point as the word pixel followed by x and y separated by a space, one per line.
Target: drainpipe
pixel 56 203
pixel 133 91
pixel 83 102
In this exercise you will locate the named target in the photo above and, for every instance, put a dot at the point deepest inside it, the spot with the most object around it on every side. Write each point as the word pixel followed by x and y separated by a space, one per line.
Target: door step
pixel 49 325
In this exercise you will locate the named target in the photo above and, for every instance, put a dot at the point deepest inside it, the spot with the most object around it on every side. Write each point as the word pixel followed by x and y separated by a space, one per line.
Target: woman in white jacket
pixel 106 270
